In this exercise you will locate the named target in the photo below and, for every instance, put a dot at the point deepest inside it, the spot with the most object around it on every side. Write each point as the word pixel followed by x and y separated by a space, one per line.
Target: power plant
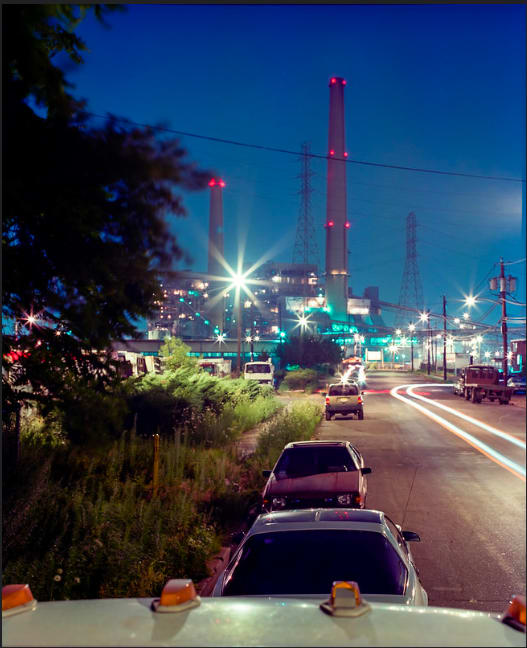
pixel 197 306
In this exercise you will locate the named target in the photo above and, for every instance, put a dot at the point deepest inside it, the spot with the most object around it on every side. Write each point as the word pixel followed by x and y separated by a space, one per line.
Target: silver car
pixel 301 553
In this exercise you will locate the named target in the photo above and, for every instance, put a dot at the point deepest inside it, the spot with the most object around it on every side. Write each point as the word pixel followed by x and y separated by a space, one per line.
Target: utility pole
pixel 239 323
pixel 444 338
pixel 429 342
pixel 503 294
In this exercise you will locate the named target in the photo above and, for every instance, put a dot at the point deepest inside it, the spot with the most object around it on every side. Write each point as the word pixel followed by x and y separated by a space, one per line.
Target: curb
pixel 215 566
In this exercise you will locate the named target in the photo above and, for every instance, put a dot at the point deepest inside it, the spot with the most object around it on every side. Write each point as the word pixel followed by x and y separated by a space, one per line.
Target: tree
pixel 85 230
pixel 309 351
pixel 176 353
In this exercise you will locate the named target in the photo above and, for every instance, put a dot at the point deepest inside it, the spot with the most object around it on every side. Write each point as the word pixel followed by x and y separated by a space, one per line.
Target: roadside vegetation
pixel 86 522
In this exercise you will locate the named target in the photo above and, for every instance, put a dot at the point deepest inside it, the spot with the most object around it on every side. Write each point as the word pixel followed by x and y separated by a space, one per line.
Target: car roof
pixel 314 516
pixel 310 444
pixel 248 621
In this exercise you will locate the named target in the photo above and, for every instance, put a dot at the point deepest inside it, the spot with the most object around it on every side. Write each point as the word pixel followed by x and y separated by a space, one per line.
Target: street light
pixel 466 315
pixel 411 328
pixel 470 301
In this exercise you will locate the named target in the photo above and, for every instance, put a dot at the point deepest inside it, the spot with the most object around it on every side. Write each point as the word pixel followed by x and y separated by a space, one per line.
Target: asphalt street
pixel 464 496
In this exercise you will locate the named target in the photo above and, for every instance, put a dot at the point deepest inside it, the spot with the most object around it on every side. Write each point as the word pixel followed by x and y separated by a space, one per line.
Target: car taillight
pixel 327 400
pixel 360 400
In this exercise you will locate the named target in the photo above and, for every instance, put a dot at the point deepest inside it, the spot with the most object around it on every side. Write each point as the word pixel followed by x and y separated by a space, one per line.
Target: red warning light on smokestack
pixel 332 152
pixel 221 183
pixel 212 182
pixel 330 223
pixel 345 154
pixel 333 81
pixel 344 81
pixel 347 225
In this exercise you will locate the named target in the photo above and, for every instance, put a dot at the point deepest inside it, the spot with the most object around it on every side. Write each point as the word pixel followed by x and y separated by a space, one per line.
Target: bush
pixel 306 379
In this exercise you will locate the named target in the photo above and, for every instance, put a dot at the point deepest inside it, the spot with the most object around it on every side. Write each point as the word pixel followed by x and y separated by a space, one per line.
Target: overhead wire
pixel 297 153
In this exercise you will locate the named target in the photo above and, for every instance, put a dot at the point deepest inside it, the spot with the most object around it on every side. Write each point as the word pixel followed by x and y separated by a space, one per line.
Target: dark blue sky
pixel 432 86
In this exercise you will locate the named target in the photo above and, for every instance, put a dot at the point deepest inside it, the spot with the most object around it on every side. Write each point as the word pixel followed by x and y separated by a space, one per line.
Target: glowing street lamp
pixel 470 301
pixel 487 354
pixel 423 317
pixel 398 331
pixel 465 316
pixel 456 320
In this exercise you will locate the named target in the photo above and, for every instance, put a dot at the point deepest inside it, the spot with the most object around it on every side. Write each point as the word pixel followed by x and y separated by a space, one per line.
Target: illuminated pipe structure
pixel 336 222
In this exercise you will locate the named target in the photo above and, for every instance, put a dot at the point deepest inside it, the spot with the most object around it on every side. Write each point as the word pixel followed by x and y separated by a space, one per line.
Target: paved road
pixel 468 509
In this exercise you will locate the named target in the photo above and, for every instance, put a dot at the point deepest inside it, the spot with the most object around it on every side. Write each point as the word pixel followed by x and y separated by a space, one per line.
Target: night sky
pixel 437 87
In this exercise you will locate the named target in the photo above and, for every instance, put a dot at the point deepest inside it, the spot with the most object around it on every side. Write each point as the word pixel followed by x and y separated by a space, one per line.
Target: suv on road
pixel 344 398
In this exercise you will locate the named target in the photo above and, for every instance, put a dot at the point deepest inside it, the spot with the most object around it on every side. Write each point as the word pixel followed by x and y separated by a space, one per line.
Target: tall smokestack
pixel 336 222
pixel 215 268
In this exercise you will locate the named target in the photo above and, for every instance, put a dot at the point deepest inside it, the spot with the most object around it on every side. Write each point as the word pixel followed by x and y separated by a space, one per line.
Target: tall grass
pixel 87 524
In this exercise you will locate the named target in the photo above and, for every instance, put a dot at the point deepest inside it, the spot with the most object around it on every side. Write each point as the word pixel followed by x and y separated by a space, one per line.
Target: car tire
pixel 360 415
pixel 467 394
pixel 474 396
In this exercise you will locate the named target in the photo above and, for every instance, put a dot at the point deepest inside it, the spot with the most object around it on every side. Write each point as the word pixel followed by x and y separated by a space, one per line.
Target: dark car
pixel 316 474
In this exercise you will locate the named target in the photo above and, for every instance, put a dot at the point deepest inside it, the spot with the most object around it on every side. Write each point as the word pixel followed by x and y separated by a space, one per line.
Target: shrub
pixel 306 379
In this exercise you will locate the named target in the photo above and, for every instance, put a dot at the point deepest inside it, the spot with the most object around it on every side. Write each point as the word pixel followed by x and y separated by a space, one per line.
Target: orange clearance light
pixel 514 615
pixel 15 596
pixel 212 182
pixel 345 600
pixel 178 594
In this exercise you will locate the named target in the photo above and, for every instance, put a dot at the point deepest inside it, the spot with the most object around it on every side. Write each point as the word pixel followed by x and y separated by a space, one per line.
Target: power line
pixel 295 153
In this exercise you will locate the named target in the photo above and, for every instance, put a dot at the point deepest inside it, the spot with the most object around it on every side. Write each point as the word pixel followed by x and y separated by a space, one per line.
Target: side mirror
pixel 362 392
pixel 410 536
pixel 323 394
pixel 365 471
pixel 266 473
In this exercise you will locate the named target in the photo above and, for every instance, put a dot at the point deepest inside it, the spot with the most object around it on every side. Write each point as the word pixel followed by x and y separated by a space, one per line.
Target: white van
pixel 261 371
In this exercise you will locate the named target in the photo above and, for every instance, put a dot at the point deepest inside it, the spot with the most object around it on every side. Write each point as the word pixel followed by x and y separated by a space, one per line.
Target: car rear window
pixel 258 368
pixel 343 390
pixel 308 562
pixel 300 462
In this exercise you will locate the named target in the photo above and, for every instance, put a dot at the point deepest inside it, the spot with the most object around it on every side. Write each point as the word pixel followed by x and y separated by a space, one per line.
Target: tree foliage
pixel 85 214
pixel 176 353
pixel 309 351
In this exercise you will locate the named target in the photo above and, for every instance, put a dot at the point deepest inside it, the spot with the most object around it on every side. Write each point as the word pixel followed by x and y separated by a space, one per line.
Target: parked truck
pixel 261 371
pixel 477 382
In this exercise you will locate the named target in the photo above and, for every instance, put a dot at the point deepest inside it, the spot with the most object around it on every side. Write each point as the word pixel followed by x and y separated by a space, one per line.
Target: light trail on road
pixel 480 446
pixel 504 435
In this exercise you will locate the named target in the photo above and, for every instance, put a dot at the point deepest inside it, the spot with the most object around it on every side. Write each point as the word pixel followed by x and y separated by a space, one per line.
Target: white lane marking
pixel 504 435
pixel 489 452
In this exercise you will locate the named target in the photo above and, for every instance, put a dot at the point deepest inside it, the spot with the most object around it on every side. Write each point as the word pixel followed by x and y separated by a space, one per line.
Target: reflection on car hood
pixel 332 482
pixel 247 621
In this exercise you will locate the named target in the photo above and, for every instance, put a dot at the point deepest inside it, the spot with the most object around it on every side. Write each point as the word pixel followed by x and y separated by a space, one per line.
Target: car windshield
pixel 343 390
pixel 300 462
pixel 258 368
pixel 308 562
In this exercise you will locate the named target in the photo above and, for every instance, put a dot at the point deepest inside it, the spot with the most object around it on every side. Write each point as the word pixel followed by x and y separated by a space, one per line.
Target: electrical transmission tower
pixel 411 289
pixel 306 249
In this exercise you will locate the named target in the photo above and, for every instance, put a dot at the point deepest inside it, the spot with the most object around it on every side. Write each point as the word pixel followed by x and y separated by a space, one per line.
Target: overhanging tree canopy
pixel 84 214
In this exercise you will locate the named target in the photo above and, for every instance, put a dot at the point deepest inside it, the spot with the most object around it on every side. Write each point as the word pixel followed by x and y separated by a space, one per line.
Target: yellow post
pixel 155 477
